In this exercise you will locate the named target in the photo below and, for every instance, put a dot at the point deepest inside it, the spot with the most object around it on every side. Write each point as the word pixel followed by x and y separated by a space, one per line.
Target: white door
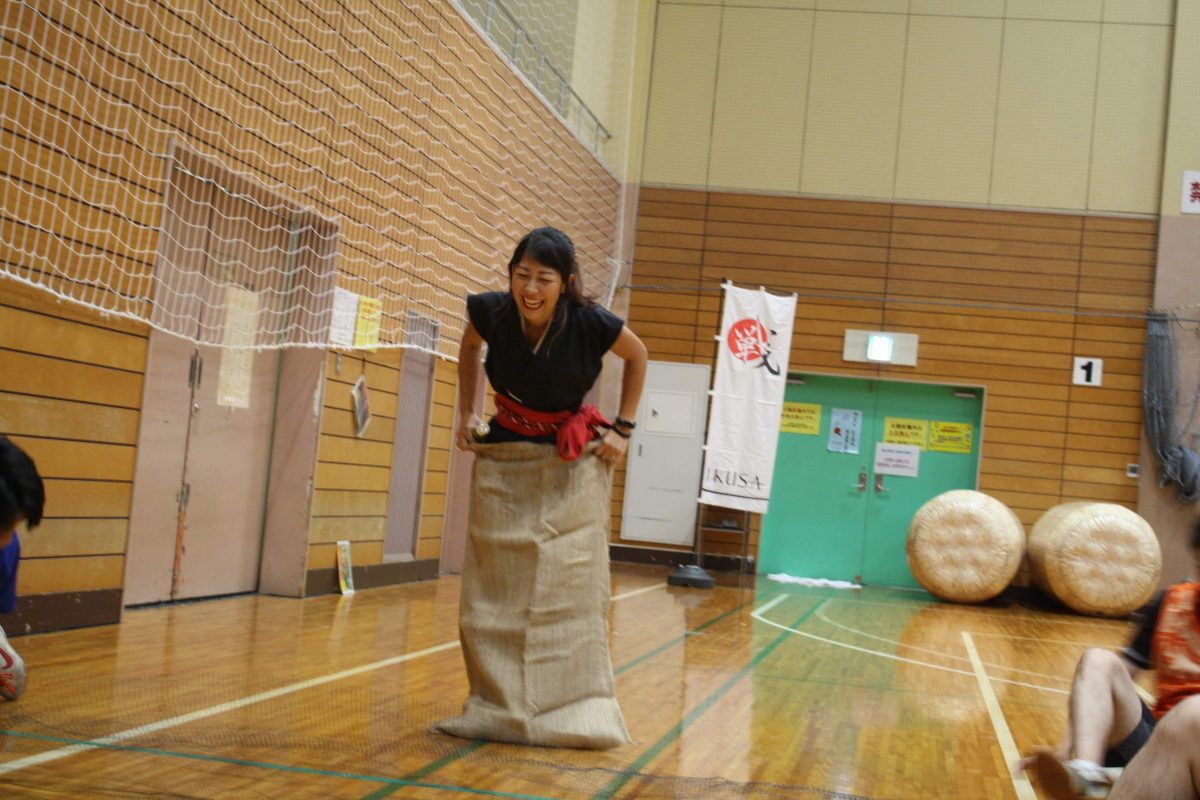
pixel 666 453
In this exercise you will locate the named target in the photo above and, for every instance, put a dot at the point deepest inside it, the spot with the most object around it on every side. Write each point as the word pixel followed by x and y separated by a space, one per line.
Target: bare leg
pixel 1104 708
pixel 1104 705
pixel 1168 767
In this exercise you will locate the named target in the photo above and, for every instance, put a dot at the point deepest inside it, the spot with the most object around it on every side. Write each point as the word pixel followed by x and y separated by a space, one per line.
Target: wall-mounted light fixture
pixel 882 347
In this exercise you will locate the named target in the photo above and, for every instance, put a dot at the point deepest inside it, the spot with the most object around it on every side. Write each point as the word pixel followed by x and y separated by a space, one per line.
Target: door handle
pixel 879 489
pixel 862 481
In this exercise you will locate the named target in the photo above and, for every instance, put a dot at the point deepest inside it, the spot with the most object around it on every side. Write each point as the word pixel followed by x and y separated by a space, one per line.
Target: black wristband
pixel 620 433
pixel 627 424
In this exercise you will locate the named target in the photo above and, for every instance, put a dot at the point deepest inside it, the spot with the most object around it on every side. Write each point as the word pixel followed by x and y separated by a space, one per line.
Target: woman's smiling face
pixel 536 289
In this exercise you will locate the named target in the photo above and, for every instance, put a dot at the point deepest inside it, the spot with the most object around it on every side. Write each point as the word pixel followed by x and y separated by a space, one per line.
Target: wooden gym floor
pixel 758 690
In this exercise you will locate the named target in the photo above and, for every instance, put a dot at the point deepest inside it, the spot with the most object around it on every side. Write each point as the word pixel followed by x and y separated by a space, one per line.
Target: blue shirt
pixel 9 557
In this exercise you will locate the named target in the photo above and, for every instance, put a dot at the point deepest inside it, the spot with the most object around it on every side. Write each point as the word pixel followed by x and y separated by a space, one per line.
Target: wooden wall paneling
pixel 970 282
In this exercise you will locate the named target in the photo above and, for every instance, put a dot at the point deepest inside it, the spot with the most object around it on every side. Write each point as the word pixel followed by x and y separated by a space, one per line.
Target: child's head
pixel 22 495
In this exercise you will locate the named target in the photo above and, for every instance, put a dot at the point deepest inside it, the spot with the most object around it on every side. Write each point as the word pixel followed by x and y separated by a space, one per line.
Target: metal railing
pixel 502 27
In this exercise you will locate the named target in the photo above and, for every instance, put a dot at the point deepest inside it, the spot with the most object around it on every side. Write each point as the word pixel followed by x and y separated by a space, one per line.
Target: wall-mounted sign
pixel 845 430
pixel 801 418
pixel 343 317
pixel 897 459
pixel 951 437
pixel 897 430
pixel 1189 203
pixel 1087 371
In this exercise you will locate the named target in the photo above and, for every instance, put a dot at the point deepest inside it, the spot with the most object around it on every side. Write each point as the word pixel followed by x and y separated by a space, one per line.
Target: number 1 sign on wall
pixel 1088 371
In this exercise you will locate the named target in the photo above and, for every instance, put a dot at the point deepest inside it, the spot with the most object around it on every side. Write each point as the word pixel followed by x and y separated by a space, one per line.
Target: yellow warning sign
pixel 897 430
pixel 802 418
pixel 951 437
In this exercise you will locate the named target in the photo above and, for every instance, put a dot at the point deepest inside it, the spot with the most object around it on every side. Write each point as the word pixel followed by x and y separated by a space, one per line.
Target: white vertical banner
pixel 747 399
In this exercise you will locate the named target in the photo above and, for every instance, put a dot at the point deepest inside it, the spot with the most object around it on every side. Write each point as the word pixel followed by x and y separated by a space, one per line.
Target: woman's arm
pixel 630 349
pixel 469 352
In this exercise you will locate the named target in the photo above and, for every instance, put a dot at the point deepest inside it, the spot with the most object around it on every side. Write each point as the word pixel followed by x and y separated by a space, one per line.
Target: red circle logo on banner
pixel 747 339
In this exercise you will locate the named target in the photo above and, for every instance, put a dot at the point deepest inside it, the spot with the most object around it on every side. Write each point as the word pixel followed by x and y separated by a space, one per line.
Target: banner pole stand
pixel 694 575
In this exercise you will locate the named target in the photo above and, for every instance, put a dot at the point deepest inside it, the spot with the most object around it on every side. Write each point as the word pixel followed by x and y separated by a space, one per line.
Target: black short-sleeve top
pixel 567 363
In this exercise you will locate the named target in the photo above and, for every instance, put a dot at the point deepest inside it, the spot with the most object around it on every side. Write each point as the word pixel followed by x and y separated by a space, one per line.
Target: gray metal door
pixel 662 478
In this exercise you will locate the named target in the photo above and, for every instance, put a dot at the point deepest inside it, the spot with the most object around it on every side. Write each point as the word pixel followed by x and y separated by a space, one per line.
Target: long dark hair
pixel 22 494
pixel 552 247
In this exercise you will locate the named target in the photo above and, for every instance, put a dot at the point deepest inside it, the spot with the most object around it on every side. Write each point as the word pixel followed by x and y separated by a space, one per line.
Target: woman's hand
pixel 612 447
pixel 465 436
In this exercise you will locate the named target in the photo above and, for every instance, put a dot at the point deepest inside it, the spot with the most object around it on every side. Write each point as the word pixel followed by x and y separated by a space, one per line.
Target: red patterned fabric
pixel 1177 647
pixel 573 430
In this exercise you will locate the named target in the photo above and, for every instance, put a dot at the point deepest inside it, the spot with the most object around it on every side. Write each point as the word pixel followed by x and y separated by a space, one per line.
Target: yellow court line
pixel 1003 735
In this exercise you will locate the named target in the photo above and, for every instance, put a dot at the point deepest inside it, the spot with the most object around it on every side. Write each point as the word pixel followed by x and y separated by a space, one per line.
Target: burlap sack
pixel 535 593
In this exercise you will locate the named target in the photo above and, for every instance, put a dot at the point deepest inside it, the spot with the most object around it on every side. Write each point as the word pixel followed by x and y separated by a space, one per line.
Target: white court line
pixel 758 615
pixel 821 616
pixel 643 590
pixel 1008 747
pixel 183 719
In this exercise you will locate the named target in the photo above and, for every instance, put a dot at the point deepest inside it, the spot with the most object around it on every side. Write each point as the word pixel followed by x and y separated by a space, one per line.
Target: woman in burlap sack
pixel 535 593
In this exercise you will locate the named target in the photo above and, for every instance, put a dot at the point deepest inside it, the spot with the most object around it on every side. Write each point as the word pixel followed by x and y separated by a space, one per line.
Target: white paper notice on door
pixel 237 360
pixel 845 429
pixel 897 459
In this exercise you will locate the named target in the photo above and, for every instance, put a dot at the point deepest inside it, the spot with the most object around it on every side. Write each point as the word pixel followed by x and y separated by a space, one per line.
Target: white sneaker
pixel 12 670
pixel 1074 779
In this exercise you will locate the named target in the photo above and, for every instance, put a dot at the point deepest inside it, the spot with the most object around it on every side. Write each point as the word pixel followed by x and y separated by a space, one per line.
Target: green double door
pixel 856 459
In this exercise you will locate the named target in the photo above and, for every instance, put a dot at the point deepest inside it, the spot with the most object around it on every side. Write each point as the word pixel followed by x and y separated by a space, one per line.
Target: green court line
pixel 392 784
pixel 634 769
pixel 451 758
pixel 682 638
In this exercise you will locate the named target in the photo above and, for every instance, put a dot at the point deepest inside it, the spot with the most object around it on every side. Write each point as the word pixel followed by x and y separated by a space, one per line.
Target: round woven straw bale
pixel 1097 558
pixel 965 546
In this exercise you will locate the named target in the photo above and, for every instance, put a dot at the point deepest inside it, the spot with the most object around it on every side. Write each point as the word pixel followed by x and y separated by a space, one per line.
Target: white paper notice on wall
pixel 897 459
pixel 1190 201
pixel 343 318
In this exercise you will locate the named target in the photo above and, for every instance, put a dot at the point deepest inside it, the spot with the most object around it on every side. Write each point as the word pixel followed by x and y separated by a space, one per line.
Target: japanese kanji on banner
pixel 747 399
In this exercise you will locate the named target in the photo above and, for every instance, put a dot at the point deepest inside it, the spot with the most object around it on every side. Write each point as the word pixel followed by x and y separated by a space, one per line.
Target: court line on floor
pixel 635 592
pixel 1008 747
pixel 635 768
pixel 759 613
pixel 233 705
pixel 950 656
pixel 473 746
pixel 221 708
pixel 392 783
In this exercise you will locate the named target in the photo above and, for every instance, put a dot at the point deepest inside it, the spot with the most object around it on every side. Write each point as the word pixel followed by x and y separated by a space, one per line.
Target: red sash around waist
pixel 572 430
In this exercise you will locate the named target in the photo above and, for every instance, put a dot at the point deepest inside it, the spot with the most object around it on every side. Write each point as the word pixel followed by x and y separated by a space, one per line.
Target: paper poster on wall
pixel 897 459
pixel 897 430
pixel 366 325
pixel 845 429
pixel 801 418
pixel 1189 202
pixel 342 320
pixel 237 359
pixel 951 437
